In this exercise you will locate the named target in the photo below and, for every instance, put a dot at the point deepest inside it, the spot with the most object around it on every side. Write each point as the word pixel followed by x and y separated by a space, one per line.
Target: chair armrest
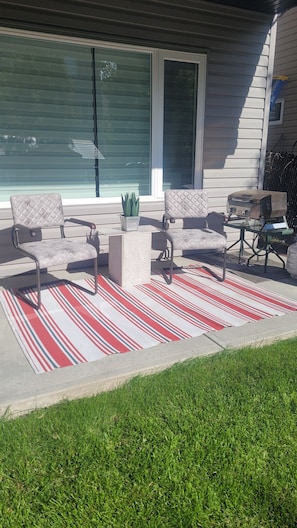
pixel 91 225
pixel 165 221
pixel 14 236
pixel 27 233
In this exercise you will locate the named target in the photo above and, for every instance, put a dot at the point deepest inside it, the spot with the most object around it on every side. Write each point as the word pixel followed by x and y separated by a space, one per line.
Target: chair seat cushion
pixel 196 239
pixel 61 251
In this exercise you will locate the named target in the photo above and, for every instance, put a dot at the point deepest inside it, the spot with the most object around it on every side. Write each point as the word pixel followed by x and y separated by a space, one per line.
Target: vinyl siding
pixel 283 136
pixel 237 44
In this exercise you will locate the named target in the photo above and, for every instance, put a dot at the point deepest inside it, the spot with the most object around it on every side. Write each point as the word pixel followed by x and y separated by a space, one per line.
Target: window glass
pixel 46 127
pixel 123 89
pixel 73 120
pixel 78 119
pixel 180 115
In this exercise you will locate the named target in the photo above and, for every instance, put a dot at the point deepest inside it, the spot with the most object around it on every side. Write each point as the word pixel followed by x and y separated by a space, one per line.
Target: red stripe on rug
pixel 148 320
pixel 85 320
pixel 44 337
pixel 185 309
pixel 24 333
pixel 208 293
pixel 110 325
pixel 130 343
pixel 268 298
pixel 249 313
pixel 74 355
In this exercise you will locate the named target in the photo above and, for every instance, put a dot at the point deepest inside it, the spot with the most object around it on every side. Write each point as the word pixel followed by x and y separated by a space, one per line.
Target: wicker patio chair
pixel 32 216
pixel 188 210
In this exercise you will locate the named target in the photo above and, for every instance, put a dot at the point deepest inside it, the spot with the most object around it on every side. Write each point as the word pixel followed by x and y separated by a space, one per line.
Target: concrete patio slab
pixel 21 390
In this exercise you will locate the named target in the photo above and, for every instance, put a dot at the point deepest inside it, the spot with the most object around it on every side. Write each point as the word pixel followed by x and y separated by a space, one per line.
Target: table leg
pixel 267 249
pixel 241 241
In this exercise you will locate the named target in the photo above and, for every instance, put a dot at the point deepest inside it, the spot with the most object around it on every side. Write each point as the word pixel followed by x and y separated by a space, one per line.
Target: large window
pixel 82 120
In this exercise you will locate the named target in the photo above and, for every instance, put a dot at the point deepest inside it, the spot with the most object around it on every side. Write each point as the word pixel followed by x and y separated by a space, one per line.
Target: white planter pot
pixel 129 223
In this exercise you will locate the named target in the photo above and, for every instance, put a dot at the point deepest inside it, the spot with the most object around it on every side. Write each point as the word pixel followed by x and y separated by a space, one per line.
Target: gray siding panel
pixel 149 21
pixel 237 45
pixel 283 136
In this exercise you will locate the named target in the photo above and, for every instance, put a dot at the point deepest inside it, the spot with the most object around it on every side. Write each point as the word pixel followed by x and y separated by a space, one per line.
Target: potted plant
pixel 130 216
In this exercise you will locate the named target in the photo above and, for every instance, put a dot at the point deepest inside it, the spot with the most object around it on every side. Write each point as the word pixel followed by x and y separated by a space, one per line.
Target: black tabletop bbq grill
pixel 269 208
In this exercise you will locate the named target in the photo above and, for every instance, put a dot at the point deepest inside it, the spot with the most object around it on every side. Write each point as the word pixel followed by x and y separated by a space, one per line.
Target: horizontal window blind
pixel 123 82
pixel 45 105
pixel 47 112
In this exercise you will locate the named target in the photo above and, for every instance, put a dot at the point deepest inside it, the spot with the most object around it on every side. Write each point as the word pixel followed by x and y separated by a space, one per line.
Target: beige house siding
pixel 237 45
pixel 234 128
pixel 283 136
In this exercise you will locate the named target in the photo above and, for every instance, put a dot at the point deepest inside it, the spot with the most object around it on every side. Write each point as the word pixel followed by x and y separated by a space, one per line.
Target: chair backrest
pixel 186 203
pixel 37 210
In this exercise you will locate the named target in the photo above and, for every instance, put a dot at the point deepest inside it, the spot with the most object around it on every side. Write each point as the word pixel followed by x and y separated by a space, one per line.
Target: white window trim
pixel 158 112
pixel 279 121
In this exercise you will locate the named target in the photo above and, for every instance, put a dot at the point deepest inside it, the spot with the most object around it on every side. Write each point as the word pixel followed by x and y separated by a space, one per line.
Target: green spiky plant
pixel 130 204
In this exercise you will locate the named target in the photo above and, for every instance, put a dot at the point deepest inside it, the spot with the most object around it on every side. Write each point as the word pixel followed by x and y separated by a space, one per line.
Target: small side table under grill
pixel 267 233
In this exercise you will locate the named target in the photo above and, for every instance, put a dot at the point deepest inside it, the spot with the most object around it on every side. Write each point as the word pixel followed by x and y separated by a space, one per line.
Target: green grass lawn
pixel 210 442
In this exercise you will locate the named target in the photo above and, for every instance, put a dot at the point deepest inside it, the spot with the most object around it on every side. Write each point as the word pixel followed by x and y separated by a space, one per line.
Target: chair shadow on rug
pixel 37 217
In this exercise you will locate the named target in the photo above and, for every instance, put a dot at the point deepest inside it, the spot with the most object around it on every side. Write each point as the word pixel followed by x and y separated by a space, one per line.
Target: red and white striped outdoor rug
pixel 73 327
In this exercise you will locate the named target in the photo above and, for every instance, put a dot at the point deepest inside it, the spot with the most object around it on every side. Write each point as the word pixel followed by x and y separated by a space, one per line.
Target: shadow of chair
pixel 35 214
pixel 187 209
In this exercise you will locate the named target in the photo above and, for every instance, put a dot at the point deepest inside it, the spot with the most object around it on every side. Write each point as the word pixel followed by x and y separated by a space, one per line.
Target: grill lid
pixel 257 204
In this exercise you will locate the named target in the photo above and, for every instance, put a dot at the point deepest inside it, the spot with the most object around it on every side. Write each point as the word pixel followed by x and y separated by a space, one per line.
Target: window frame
pixel 158 58
pixel 276 118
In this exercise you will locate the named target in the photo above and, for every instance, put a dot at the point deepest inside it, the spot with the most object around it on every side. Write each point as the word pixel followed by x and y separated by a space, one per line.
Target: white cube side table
pixel 129 261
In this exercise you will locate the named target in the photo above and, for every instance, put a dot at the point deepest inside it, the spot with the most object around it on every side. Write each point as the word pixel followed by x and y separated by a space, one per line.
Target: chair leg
pixel 164 255
pixel 224 264
pixel 38 285
pixel 80 287
pixel 171 263
pixel 169 255
pixel 96 274
pixel 221 279
pixel 19 291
